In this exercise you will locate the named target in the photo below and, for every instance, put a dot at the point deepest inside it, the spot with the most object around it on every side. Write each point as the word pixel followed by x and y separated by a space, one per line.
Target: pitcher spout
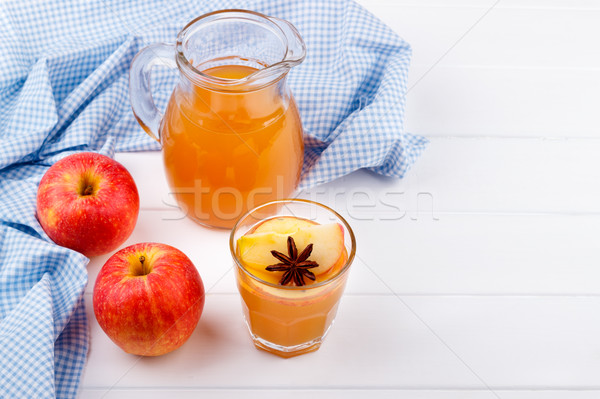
pixel 294 54
pixel 296 49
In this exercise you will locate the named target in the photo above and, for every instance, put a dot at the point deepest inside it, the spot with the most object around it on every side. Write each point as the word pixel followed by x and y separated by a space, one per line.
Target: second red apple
pixel 148 298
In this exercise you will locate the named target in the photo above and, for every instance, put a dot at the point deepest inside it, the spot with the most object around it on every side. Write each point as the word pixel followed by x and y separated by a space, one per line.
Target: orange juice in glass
pixel 231 134
pixel 292 260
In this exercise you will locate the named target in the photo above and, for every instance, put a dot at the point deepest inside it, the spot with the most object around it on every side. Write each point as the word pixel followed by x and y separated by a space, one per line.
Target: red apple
pixel 88 202
pixel 148 298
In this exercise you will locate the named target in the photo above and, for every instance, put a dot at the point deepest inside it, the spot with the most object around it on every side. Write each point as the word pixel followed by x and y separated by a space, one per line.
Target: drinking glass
pixel 290 320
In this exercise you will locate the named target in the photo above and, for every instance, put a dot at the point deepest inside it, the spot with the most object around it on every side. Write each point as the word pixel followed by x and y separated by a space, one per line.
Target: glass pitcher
pixel 231 134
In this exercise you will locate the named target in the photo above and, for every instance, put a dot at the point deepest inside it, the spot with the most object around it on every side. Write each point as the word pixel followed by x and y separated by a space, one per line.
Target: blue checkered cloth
pixel 64 88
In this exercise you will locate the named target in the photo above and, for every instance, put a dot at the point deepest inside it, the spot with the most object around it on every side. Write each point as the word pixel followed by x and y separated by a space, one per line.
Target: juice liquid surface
pixel 227 152
pixel 291 317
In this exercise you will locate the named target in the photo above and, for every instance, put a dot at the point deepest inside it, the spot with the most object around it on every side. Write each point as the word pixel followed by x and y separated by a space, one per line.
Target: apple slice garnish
pixel 283 225
pixel 327 239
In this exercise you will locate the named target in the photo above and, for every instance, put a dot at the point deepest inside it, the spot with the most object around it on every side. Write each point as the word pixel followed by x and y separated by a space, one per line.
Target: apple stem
pixel 88 190
pixel 142 258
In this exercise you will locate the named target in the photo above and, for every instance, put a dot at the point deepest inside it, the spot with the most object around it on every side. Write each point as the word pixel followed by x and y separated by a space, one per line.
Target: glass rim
pixel 343 270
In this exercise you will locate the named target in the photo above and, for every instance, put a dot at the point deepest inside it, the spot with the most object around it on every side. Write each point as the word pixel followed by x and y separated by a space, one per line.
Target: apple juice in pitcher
pixel 231 134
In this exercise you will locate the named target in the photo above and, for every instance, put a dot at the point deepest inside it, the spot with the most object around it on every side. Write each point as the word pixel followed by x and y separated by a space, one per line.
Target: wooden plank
pixel 478 175
pixel 375 343
pixel 513 33
pixel 455 254
pixel 455 175
pixel 504 102
pixel 331 394
pixel 483 254
pixel 523 70
pixel 397 5
pixel 520 342
pixel 380 342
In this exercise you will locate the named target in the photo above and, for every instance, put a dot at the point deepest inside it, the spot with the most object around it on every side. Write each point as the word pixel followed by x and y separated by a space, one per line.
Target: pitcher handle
pixel 140 95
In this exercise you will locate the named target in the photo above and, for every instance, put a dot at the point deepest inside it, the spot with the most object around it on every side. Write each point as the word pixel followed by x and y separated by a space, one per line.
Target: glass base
pixel 287 351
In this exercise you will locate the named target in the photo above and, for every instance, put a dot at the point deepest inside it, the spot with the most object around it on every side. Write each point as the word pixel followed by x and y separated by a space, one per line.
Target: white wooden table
pixel 477 276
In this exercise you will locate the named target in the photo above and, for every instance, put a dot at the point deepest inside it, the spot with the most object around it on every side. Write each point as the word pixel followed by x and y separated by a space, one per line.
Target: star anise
pixel 295 266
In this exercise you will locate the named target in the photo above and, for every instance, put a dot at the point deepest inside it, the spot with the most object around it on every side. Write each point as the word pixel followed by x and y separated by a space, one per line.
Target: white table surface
pixel 477 276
